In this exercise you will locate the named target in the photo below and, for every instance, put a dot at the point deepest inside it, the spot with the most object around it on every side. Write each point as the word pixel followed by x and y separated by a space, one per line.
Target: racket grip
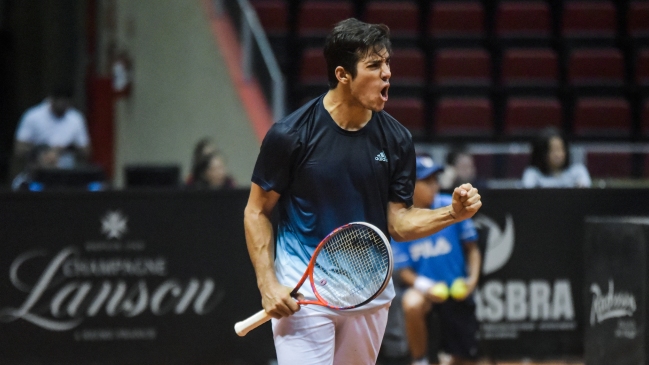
pixel 243 327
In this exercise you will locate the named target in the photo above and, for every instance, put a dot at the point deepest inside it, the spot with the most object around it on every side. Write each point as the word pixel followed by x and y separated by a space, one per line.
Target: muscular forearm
pixel 259 234
pixel 413 223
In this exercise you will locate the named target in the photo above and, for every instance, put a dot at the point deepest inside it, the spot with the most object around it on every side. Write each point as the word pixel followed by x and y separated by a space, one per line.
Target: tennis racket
pixel 349 268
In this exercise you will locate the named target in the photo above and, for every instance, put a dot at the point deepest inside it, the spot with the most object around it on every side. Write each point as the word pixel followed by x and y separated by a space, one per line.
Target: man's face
pixel 425 191
pixel 59 106
pixel 370 86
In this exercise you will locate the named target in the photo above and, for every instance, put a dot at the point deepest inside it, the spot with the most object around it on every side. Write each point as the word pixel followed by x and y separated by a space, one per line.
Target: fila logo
pixel 381 157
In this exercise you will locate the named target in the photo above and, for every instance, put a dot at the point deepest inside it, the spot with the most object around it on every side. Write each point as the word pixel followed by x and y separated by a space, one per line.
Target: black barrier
pixel 616 291
pixel 126 278
pixel 161 277
pixel 530 296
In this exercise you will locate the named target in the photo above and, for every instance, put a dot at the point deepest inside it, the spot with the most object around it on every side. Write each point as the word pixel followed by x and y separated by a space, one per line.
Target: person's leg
pixel 415 308
pixel 358 337
pixel 305 338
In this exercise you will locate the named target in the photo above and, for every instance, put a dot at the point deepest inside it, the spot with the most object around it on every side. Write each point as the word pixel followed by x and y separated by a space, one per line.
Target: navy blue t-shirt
pixel 328 177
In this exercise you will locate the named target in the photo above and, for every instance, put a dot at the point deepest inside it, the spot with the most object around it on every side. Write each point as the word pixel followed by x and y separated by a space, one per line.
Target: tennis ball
pixel 459 289
pixel 440 290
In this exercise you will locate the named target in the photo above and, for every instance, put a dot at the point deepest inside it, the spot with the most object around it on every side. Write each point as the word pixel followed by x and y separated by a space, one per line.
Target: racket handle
pixel 242 328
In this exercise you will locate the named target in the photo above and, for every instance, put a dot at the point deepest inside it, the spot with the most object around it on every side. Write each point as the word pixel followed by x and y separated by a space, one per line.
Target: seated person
pixel 550 165
pixel 210 172
pixel 54 123
pixel 41 156
pixel 449 257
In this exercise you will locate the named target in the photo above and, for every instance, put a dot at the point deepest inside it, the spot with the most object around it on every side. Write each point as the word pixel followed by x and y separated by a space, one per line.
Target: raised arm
pixel 275 297
pixel 409 223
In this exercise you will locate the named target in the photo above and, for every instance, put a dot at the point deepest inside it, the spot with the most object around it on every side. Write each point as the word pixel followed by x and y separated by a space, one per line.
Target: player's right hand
pixel 277 300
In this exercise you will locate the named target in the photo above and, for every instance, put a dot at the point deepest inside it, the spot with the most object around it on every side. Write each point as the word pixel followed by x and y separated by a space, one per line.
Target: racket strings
pixel 352 267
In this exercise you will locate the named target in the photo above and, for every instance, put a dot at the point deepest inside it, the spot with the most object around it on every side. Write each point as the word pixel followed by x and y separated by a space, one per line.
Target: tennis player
pixel 338 159
pixel 442 257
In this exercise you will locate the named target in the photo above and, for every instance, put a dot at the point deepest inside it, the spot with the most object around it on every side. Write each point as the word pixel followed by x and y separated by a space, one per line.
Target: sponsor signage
pixel 125 278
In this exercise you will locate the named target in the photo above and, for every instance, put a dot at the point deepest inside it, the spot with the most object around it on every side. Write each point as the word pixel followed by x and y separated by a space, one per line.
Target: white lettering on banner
pixel 611 305
pixel 70 302
pixel 506 308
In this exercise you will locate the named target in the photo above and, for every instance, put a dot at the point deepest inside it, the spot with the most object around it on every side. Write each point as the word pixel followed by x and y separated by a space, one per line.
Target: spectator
pixel 54 123
pixel 550 165
pixel 460 167
pixel 210 172
pixel 203 147
pixel 442 257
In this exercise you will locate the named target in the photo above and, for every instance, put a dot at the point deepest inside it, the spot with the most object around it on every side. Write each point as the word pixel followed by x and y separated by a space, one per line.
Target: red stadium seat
pixel 317 18
pixel 603 117
pixel 456 19
pixel 527 116
pixel 516 164
pixel 642 67
pixel 464 116
pixel 530 66
pixel 462 66
pixel 401 16
pixel 408 67
pixel 409 112
pixel 313 67
pixel 523 19
pixel 637 23
pixel 272 15
pixel 609 164
pixel 596 66
pixel 589 19
pixel 484 165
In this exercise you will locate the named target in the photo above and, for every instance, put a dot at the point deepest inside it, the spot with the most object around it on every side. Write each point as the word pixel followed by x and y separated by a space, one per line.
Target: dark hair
pixel 350 41
pixel 62 92
pixel 199 168
pixel 454 153
pixel 541 147
pixel 199 147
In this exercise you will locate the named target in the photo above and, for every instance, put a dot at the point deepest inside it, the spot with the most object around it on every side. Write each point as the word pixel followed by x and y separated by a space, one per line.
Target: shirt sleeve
pixel 468 233
pixel 276 159
pixel 24 132
pixel 403 180
pixel 530 178
pixel 582 177
pixel 401 255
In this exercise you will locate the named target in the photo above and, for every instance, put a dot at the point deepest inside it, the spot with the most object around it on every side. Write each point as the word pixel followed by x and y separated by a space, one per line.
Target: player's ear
pixel 343 76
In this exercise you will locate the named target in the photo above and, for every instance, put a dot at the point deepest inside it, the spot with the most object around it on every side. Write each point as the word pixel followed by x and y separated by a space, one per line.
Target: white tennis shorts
pixel 310 337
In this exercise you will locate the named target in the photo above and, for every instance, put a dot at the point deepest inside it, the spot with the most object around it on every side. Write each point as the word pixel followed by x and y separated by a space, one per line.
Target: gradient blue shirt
pixel 439 256
pixel 328 177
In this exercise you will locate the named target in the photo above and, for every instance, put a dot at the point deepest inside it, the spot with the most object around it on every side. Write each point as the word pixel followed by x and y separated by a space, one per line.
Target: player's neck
pixel 345 110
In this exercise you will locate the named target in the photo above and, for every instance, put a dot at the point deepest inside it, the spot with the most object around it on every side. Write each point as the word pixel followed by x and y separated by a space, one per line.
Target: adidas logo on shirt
pixel 381 157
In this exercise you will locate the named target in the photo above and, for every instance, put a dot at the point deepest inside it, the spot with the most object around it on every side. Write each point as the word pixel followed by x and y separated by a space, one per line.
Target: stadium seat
pixel 590 19
pixel 642 67
pixel 401 16
pixel 408 72
pixel 526 21
pixel 409 112
pixel 602 117
pixel 484 165
pixel 644 117
pixel 317 17
pixel 609 164
pixel 462 68
pixel 637 24
pixel 272 15
pixel 313 67
pixel 464 117
pixel 530 67
pixel 516 164
pixel 527 116
pixel 596 67
pixel 452 23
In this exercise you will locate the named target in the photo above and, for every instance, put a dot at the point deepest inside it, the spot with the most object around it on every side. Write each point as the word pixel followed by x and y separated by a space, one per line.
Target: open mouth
pixel 384 92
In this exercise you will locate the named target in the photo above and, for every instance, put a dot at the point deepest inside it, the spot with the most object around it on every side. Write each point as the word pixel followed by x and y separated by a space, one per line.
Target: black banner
pixel 161 277
pixel 126 278
pixel 530 295
pixel 615 290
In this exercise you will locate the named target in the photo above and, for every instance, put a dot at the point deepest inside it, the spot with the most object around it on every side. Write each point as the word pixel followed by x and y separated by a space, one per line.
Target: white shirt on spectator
pixel 40 126
pixel 572 177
